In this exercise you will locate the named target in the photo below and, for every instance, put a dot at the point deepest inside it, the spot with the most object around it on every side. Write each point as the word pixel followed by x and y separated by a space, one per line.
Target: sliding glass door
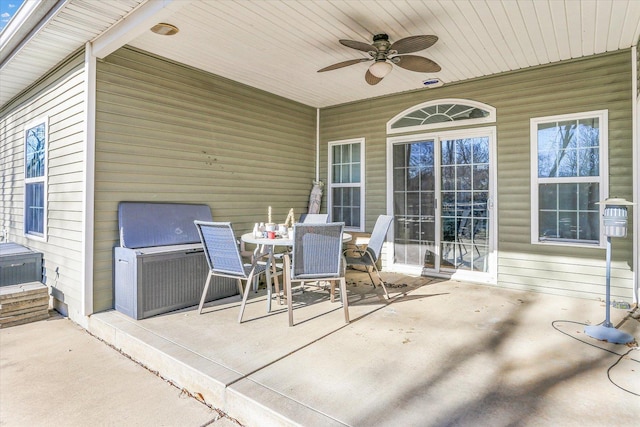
pixel 442 200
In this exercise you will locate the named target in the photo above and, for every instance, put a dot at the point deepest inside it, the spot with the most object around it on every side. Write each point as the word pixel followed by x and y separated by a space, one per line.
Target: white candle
pixel 269 215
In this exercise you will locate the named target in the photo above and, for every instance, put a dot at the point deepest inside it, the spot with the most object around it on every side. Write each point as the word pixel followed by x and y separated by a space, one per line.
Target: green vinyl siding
pixel 59 96
pixel 594 83
pixel 169 133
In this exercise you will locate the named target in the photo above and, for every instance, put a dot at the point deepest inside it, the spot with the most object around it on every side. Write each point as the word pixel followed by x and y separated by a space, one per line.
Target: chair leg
pixel 343 297
pixel 375 268
pixel 287 284
pixel 267 275
pixel 370 276
pixel 276 281
pixel 240 291
pixel 386 293
pixel 204 293
pixel 332 292
pixel 289 303
pixel 245 296
pixel 254 258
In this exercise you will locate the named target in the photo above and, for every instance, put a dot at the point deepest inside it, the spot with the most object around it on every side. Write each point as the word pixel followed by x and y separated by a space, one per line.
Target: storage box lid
pixel 10 248
pixel 145 224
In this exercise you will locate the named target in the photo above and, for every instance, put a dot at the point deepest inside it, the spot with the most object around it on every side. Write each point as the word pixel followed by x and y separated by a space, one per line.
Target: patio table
pixel 280 241
pixel 261 242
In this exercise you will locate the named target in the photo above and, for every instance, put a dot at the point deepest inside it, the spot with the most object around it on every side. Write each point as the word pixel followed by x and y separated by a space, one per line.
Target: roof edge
pixel 27 21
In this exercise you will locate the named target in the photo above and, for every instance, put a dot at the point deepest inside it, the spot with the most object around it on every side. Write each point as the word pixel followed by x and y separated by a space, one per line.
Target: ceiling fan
pixel 384 54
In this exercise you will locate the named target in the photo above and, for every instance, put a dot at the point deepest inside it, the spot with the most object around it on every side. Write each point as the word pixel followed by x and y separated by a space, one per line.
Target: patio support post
pixel 88 193
pixel 317 144
pixel 635 142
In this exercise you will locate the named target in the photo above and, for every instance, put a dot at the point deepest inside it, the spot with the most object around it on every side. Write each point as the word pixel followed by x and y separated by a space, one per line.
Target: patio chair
pixel 368 257
pixel 316 256
pixel 309 219
pixel 314 218
pixel 223 256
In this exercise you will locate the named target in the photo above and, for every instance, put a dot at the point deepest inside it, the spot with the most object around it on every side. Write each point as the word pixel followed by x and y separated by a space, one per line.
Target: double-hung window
pixel 569 176
pixel 346 188
pixel 35 183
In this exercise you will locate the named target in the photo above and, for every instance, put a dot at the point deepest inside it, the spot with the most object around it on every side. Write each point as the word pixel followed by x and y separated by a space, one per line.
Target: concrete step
pixel 22 290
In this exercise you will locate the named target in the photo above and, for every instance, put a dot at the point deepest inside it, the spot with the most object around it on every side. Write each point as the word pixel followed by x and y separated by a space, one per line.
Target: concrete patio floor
pixel 440 353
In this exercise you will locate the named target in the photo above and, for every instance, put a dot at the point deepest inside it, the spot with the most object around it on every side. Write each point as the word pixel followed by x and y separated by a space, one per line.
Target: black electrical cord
pixel 612 366
pixel 553 324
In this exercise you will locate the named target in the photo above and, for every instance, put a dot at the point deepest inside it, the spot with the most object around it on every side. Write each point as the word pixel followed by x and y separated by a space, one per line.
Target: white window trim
pixel 331 144
pixel 603 115
pixel 44 179
pixel 491 118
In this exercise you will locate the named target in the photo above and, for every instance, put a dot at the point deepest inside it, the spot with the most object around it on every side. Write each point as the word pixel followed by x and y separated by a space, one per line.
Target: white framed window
pixel 35 178
pixel 346 183
pixel 569 176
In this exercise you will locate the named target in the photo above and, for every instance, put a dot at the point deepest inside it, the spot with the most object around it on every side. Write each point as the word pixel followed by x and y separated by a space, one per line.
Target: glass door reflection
pixel 414 204
pixel 465 195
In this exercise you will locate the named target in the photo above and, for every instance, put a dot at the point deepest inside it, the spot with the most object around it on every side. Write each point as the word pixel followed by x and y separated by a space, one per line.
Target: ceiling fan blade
pixel 416 63
pixel 371 79
pixel 413 44
pixel 358 45
pixel 344 64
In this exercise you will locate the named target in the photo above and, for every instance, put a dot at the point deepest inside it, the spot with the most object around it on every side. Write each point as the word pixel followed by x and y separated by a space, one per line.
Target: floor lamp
pixel 615 225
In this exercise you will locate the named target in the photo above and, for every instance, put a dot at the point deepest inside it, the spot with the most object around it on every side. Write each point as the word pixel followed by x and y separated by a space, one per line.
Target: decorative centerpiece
pixel 270 226
pixel 288 223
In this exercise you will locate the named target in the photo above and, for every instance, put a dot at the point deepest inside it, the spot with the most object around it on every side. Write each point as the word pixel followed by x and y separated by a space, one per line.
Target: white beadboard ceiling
pixel 278 45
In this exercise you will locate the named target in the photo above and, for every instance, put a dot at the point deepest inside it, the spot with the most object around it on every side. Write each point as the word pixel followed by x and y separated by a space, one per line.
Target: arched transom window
pixel 441 113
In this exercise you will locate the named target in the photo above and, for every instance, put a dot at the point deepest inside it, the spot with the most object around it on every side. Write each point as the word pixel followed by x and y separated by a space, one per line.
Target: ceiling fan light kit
pixel 380 68
pixel 385 54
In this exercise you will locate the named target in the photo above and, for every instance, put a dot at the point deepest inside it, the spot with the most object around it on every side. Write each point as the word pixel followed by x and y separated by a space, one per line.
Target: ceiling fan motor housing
pixel 381 43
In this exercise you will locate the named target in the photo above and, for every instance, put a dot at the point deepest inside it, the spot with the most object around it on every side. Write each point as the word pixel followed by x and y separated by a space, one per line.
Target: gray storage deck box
pixel 19 264
pixel 160 264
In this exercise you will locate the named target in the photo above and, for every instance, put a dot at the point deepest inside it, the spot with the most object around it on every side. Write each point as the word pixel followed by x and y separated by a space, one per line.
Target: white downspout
pixel 88 179
pixel 317 144
pixel 636 174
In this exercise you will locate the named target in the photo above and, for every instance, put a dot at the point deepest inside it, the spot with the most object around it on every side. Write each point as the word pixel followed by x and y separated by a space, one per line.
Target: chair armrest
pixel 244 253
pixel 354 248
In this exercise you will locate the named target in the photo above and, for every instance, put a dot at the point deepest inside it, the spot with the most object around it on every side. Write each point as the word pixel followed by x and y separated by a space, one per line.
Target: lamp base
pixel 608 333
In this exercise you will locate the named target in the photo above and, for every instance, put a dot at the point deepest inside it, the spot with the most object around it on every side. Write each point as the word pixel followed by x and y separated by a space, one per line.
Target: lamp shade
pixel 615 217
pixel 380 69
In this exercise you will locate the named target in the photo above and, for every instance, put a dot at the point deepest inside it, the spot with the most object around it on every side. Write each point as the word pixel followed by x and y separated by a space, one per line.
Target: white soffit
pixel 67 28
pixel 278 46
